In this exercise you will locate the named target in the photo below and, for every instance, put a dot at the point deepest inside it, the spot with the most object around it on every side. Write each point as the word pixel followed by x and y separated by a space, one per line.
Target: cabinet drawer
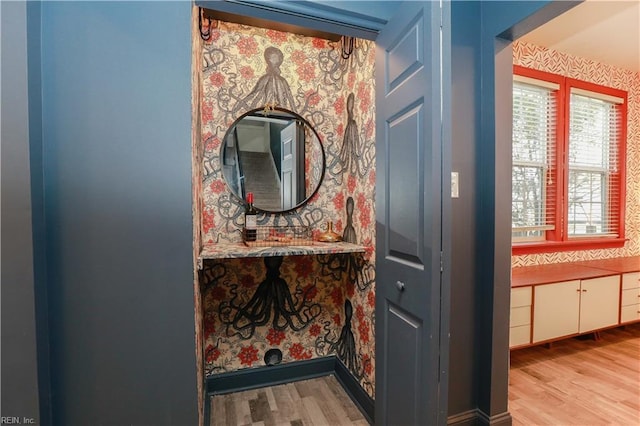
pixel 519 335
pixel 631 280
pixel 520 296
pixel 630 296
pixel 520 316
pixel 630 313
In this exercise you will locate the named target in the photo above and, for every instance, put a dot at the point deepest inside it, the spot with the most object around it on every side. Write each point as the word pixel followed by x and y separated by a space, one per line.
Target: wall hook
pixel 347 44
pixel 206 25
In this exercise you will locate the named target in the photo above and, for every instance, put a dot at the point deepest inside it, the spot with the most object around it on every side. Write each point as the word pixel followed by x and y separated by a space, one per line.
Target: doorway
pixel 549 49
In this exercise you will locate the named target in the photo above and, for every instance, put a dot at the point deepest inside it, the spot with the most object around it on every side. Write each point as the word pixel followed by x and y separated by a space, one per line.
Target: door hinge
pixel 441 263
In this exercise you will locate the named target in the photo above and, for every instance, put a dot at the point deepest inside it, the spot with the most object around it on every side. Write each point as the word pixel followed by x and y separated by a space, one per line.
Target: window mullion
pixel 563 158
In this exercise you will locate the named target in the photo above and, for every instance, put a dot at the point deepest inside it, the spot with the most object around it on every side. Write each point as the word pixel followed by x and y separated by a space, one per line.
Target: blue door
pixel 408 216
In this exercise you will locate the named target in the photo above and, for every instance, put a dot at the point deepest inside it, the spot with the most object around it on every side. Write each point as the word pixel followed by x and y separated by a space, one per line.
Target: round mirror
pixel 275 154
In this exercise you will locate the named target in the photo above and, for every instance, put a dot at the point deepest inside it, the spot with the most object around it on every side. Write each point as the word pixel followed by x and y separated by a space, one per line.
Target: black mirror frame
pixel 266 111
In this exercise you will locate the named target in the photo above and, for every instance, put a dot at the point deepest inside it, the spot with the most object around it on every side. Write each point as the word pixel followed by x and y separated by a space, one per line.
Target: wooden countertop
pixel 621 265
pixel 557 272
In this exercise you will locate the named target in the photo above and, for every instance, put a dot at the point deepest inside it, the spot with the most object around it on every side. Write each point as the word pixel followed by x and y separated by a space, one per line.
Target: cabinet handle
pixel 400 285
pixel 584 289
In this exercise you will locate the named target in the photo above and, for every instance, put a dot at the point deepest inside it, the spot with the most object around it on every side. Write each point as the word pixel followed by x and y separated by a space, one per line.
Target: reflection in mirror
pixel 275 154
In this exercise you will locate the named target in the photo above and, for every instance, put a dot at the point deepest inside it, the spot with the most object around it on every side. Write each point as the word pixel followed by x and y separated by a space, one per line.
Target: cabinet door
pixel 556 309
pixel 599 303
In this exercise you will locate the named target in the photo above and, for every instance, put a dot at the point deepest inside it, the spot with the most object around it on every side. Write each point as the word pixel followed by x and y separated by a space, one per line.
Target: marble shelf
pixel 239 250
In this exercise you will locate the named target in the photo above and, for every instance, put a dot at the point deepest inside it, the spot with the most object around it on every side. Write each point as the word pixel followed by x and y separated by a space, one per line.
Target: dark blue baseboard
pixel 358 395
pixel 253 378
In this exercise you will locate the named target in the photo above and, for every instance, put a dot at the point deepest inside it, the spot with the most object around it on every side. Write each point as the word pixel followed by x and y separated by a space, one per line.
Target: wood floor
pixel 578 381
pixel 319 402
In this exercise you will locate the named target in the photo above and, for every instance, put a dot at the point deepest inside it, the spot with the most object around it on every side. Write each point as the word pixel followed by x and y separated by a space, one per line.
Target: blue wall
pixel 480 284
pixel 501 22
pixel 465 56
pixel 19 355
pixel 116 102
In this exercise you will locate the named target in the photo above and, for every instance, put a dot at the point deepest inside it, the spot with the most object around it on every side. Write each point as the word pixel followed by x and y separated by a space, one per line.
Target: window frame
pixel 558 240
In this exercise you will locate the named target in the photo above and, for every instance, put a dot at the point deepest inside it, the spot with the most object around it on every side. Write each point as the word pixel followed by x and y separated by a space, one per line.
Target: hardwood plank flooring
pixel 578 381
pixel 317 402
pixel 575 382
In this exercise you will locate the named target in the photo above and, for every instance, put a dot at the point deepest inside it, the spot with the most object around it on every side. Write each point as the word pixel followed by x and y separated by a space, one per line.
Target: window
pixel 567 164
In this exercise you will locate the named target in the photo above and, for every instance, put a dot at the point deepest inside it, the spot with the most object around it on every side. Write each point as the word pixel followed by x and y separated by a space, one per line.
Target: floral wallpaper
pixel 305 306
pixel 540 58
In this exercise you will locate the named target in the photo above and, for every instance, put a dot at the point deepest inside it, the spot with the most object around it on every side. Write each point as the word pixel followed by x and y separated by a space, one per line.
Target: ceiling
pixel 606 31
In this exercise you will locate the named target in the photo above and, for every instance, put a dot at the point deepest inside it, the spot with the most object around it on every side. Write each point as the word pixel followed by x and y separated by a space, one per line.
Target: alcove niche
pixel 319 310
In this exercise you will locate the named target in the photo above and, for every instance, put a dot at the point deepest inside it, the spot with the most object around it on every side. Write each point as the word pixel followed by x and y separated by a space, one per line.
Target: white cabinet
pixel 520 320
pixel 556 310
pixel 630 303
pixel 554 301
pixel 599 303
pixel 576 306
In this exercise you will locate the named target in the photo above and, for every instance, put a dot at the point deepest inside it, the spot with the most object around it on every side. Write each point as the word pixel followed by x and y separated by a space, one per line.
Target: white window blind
pixel 594 169
pixel 533 157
